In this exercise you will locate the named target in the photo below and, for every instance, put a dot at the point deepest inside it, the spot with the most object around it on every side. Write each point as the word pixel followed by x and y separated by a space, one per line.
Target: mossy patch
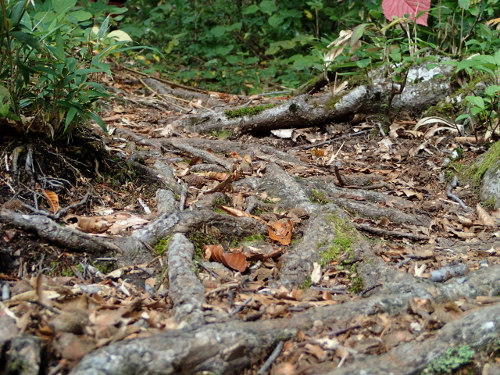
pixel 200 239
pixel 161 246
pixel 453 359
pixel 474 174
pixel 490 158
pixel 345 236
pixel 247 111
pixel 222 133
pixel 341 250
pixel 318 196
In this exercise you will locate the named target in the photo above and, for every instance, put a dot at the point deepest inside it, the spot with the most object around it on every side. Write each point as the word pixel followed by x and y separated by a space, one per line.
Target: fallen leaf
pixel 53 200
pixel 484 216
pixel 240 213
pixel 236 261
pixel 281 231
pixel 316 273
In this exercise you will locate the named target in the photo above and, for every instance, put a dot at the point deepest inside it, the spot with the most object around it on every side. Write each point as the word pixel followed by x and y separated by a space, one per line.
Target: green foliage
pixel 453 359
pixel 484 106
pixel 50 59
pixel 246 46
pixel 247 111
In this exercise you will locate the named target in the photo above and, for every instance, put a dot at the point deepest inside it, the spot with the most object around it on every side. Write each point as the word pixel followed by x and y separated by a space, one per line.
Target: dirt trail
pixel 331 249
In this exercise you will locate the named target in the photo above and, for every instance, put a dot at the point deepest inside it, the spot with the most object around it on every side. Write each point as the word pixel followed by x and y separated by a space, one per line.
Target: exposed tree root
pixel 357 279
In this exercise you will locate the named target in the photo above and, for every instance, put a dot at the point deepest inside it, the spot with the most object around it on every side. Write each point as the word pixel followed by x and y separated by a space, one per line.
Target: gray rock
pixel 490 186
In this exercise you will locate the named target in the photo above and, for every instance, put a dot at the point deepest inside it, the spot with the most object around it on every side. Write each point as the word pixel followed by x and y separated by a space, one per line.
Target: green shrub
pixel 50 57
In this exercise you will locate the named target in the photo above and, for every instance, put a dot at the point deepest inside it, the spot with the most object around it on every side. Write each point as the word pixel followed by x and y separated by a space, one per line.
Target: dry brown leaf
pixel 53 200
pixel 115 223
pixel 219 176
pixel 240 213
pixel 236 261
pixel 281 231
pixel 316 351
pixel 484 216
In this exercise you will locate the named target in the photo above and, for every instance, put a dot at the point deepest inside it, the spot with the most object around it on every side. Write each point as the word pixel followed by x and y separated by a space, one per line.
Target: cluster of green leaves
pixel 484 105
pixel 50 55
pixel 240 46
pixel 252 45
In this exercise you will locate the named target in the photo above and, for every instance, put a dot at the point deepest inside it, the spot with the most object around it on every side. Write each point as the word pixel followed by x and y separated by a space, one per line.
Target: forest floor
pixel 333 249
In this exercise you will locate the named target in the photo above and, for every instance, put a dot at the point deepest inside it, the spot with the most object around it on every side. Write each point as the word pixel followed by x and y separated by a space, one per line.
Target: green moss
pixel 161 246
pixel 341 249
pixel 306 284
pixel 490 158
pixel 247 111
pixel 345 236
pixel 330 104
pixel 318 197
pixel 222 133
pixel 103 267
pixel 453 359
pixel 356 282
pixel 220 201
pixel 474 174
pixel 200 239
pixel 253 238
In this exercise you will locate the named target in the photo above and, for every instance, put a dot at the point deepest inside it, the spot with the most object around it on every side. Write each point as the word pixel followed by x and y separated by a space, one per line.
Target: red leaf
pixel 236 261
pixel 399 8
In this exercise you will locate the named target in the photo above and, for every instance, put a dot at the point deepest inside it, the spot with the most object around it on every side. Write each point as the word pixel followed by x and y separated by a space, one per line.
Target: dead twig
pixel 327 142
pixel 391 233
pixel 276 352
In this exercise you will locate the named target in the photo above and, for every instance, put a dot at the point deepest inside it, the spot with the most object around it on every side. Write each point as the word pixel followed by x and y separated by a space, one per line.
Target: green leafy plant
pixel 484 105
pixel 50 61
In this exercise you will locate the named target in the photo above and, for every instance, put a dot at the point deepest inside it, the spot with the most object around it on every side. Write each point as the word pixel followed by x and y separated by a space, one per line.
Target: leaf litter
pixel 76 314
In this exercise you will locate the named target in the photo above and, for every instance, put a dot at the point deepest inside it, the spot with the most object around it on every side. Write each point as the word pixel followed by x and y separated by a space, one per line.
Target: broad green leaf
pixel 250 9
pixel 463 116
pixel 99 121
pixel 268 7
pixel 275 20
pixel 476 101
pixel 80 15
pixel 69 117
pixel 497 58
pixel 358 32
pixel 218 31
pixel 103 28
pixel 4 101
pixel 28 39
pixel 63 6
pixel 492 90
pixel 363 63
pixel 59 47
pixel 119 35
pixel 17 11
